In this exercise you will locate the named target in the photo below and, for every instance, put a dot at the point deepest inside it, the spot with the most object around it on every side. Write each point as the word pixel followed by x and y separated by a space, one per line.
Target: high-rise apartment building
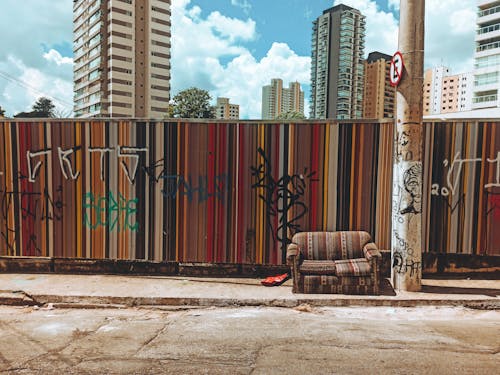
pixel 487 55
pixel 446 93
pixel 337 64
pixel 277 100
pixel 226 110
pixel 378 95
pixel 121 58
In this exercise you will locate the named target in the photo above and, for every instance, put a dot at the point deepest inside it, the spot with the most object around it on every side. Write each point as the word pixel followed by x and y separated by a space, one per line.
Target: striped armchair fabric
pixel 334 262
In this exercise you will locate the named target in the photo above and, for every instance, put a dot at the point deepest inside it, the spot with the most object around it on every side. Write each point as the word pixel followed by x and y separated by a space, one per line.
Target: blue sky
pixel 288 21
pixel 229 47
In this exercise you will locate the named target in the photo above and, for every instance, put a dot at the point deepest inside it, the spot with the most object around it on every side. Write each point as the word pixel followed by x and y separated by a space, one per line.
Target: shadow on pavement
pixel 386 288
pixel 490 292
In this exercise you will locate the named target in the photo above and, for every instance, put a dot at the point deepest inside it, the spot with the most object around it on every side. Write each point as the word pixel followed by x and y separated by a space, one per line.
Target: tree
pixel 290 115
pixel 2 112
pixel 170 111
pixel 193 103
pixel 42 108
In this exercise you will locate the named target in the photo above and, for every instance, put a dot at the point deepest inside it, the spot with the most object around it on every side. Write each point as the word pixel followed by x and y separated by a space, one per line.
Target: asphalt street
pixel 249 340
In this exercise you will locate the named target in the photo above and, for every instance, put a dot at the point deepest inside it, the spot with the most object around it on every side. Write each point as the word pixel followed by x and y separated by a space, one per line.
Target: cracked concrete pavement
pixel 249 340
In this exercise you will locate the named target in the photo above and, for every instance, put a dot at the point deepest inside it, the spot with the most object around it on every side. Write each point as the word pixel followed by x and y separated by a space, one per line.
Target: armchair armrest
pixel 292 253
pixel 371 251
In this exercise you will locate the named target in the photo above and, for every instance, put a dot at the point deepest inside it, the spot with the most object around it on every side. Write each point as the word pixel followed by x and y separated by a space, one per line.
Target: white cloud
pixel 449 34
pixel 232 28
pixel 30 63
pixel 449 30
pixel 28 84
pixel 244 4
pixel 56 57
pixel 199 47
pixel 393 4
pixel 381 27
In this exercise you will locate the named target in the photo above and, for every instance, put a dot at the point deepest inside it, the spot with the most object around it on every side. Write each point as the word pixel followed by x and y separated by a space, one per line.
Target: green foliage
pixel 2 112
pixel 290 115
pixel 193 103
pixel 42 108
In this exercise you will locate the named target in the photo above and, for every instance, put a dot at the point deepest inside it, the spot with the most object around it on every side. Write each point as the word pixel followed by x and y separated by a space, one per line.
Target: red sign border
pixel 394 84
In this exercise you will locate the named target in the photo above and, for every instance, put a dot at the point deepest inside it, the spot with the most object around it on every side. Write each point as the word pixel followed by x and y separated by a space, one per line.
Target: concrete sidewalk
pixel 123 291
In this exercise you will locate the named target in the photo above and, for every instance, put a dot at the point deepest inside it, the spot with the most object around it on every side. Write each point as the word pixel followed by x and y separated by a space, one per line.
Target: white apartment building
pixel 487 56
pixel 121 58
pixel 446 93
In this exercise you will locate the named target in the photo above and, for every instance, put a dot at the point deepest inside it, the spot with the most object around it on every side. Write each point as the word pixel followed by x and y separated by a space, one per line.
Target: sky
pixel 230 48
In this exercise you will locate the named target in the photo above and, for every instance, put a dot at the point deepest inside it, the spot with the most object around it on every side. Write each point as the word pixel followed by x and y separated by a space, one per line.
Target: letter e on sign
pixel 396 70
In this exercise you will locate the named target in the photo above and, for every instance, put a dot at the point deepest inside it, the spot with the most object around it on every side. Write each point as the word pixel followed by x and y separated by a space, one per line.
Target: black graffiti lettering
pixel 9 243
pixel 52 209
pixel 33 205
pixel 403 265
pixel 150 171
pixel 494 203
pixel 281 196
pixel 32 247
pixel 177 185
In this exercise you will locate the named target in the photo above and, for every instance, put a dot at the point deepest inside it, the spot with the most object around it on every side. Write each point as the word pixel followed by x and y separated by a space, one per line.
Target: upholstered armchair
pixel 334 262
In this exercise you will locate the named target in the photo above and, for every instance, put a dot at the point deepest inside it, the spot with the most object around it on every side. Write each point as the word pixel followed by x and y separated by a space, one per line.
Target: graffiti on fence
pixel 454 174
pixel 205 187
pixel 110 211
pixel 281 196
pixel 34 205
pixel 127 156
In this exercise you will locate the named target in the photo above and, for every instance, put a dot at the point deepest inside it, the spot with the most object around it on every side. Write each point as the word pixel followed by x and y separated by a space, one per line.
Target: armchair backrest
pixel 331 245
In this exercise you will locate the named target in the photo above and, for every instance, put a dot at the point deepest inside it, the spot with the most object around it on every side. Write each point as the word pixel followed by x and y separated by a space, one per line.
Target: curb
pixel 16 298
pixel 98 302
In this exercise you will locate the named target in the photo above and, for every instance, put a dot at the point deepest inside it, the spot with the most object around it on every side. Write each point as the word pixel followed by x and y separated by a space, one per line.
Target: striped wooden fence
pixel 233 192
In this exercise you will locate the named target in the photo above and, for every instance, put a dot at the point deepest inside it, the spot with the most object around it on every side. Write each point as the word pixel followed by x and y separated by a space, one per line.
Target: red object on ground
pixel 275 280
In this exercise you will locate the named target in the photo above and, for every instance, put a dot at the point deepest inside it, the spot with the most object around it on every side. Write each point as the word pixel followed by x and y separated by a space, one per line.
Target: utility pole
pixel 406 252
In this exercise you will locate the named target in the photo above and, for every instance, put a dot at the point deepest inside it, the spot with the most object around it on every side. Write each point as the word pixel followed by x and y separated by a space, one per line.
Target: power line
pixel 14 80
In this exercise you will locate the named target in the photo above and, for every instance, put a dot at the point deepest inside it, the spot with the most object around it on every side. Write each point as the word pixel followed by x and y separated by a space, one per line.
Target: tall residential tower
pixel 337 64
pixel 121 58
pixel 277 100
pixel 487 55
pixel 379 96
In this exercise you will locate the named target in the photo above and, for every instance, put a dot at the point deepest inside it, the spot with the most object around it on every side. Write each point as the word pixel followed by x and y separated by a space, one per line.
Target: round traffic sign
pixel 396 70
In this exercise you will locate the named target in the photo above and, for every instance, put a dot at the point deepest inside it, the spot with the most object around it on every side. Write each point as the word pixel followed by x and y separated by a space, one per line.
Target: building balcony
pixel 487 49
pixel 490 32
pixel 481 20
pixel 484 3
pixel 485 101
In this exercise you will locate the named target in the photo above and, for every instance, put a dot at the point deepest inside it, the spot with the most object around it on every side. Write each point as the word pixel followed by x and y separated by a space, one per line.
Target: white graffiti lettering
pixel 103 152
pixel 130 152
pixel 33 170
pixel 497 174
pixel 64 161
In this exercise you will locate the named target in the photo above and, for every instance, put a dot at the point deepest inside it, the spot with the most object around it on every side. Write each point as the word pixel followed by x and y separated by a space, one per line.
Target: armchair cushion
pixel 317 267
pixel 353 267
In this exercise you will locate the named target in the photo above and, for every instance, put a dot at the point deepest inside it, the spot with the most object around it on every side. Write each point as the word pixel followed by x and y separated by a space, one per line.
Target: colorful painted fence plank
pixel 233 192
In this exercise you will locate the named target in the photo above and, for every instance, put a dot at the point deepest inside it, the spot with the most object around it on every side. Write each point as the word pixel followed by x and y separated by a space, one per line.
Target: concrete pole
pixel 407 169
